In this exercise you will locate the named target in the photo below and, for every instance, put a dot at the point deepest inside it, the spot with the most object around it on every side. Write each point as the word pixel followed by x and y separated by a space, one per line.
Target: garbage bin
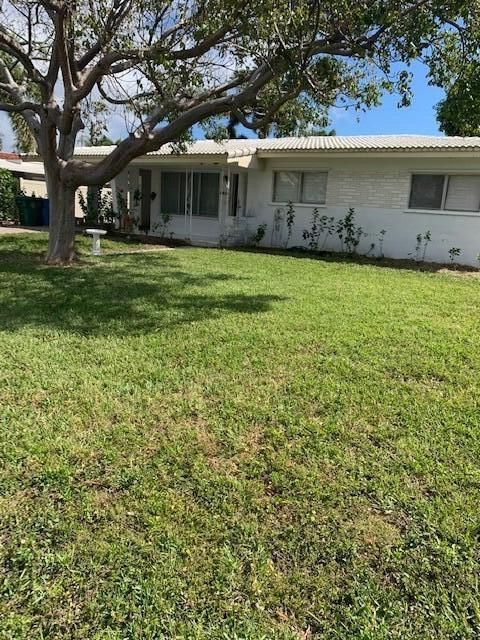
pixel 45 212
pixel 20 202
pixel 33 211
pixel 30 211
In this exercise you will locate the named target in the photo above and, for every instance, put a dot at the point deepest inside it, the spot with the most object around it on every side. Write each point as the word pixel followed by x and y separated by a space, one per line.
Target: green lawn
pixel 206 444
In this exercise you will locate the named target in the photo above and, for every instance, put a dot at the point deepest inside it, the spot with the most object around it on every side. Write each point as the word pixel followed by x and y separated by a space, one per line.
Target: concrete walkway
pixel 5 231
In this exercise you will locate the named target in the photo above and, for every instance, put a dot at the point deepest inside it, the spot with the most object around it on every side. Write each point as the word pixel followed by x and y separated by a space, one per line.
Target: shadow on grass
pixel 349 258
pixel 139 294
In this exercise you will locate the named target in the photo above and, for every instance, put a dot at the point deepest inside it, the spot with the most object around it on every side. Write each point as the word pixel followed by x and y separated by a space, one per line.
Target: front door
pixel 146 192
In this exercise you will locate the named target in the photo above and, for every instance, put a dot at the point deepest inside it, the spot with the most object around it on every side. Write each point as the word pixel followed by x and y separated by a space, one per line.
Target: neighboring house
pixel 31 177
pixel 220 193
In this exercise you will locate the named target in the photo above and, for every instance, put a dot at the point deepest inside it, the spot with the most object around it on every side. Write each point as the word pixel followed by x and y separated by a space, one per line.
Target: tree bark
pixel 61 240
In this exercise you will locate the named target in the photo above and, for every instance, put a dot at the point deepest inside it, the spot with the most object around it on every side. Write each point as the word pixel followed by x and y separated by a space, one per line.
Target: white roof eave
pixel 377 153
pixel 30 168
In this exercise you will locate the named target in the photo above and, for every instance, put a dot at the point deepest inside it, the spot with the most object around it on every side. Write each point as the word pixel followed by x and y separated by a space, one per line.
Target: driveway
pixel 5 231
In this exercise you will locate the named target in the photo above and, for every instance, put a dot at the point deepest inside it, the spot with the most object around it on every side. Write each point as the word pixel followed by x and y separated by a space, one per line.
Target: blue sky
pixel 388 118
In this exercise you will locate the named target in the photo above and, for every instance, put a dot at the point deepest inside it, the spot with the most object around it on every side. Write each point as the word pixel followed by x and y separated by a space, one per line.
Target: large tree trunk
pixel 61 241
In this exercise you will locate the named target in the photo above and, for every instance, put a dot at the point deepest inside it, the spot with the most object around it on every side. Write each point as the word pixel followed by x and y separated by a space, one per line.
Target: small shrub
pixel 422 242
pixel 259 234
pixel 290 220
pixel 320 226
pixel 165 218
pixel 124 214
pixel 381 238
pixel 418 244
pixel 453 253
pixel 427 238
pixel 349 232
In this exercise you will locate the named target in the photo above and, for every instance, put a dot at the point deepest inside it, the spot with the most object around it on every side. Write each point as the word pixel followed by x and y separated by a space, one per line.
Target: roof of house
pixel 252 146
pixel 19 167
pixel 9 155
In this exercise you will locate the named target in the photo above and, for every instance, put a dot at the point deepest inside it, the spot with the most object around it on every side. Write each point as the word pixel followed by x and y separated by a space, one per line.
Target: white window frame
pixel 446 179
pixel 198 216
pixel 189 186
pixel 162 171
pixel 298 201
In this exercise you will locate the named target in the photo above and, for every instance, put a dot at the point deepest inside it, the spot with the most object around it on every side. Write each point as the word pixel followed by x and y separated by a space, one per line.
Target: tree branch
pixel 10 46
pixel 19 108
pixel 81 173
pixel 118 61
pixel 117 14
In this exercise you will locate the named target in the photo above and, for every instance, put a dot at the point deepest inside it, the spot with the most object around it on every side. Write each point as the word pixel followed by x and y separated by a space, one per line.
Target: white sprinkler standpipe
pixel 96 233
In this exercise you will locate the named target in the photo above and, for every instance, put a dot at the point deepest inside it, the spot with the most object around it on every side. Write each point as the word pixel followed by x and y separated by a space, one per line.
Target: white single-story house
pixel 401 186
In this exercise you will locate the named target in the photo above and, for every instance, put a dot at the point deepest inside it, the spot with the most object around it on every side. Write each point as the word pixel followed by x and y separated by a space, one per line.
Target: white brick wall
pixel 378 189
pixel 368 188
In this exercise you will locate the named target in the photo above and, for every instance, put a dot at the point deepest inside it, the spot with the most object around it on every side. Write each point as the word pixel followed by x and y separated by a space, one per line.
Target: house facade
pixel 410 194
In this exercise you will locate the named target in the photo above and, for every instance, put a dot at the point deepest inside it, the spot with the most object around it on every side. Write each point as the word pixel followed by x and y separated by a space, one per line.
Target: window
pixel 173 192
pixel 205 193
pixel 463 193
pixel 286 186
pixel 426 191
pixel 445 192
pixel 309 187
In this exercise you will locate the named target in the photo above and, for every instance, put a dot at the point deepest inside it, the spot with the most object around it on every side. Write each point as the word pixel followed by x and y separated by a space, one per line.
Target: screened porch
pixel 201 204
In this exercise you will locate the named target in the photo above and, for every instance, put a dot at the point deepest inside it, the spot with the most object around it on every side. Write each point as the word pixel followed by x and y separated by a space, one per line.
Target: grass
pixel 208 444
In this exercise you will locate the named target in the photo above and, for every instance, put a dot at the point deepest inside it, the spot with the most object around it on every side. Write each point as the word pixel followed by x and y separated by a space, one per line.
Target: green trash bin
pixel 33 211
pixel 20 201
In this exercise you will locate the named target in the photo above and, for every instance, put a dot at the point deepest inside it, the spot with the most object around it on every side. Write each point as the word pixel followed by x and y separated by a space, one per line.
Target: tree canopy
pixel 172 64
pixel 455 66
pixel 458 114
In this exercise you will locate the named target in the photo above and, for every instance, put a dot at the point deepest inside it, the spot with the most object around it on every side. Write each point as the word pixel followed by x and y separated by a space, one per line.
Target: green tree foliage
pixel 458 114
pixel 8 192
pixel 299 117
pixel 455 66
